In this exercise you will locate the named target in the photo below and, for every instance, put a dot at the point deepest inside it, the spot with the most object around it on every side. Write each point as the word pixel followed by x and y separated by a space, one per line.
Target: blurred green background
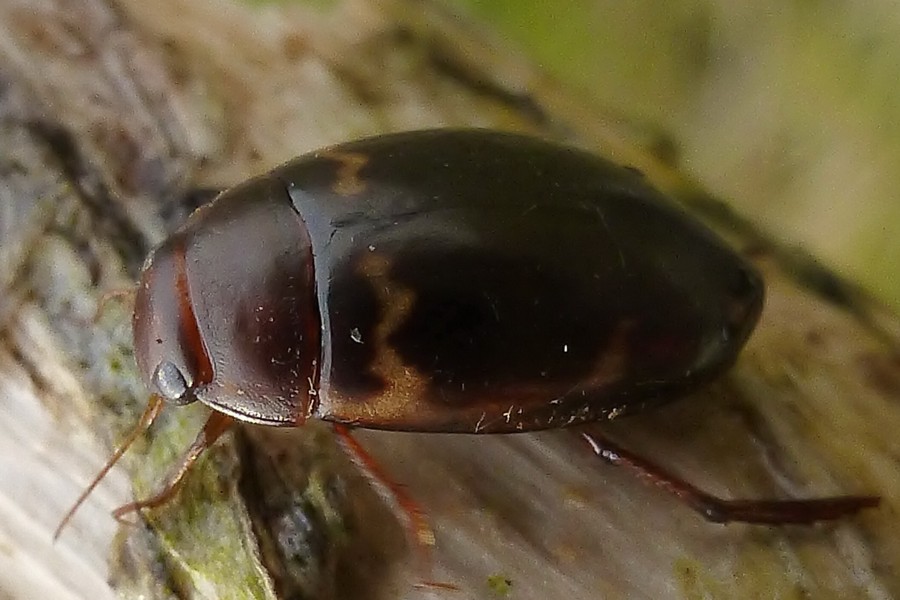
pixel 789 110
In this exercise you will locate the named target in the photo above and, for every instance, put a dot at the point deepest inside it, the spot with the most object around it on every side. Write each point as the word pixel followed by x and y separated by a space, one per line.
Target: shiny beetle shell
pixel 446 280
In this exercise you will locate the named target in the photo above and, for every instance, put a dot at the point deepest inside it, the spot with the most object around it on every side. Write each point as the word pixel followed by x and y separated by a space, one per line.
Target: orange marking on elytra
pixel 406 386
pixel 348 183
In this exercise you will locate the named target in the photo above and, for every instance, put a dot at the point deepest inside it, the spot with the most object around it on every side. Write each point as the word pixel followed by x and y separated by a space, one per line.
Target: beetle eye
pixel 170 383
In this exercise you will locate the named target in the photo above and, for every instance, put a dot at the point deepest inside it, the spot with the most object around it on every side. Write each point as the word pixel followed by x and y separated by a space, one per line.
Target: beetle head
pixel 167 345
pixel 169 349
pixel 226 311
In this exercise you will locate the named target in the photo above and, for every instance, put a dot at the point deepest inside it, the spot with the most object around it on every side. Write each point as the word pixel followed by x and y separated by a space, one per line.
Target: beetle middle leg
pixel 418 531
pixel 720 510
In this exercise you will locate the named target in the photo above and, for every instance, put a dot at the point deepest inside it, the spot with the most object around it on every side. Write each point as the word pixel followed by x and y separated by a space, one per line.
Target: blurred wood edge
pixel 112 112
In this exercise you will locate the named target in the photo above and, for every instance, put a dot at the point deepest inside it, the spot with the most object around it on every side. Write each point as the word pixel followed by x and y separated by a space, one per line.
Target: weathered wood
pixel 112 111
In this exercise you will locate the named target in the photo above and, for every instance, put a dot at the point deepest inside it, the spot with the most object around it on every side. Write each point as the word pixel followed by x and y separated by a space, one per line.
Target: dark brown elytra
pixel 463 281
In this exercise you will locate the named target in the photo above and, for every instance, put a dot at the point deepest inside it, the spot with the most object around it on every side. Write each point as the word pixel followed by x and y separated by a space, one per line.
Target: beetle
pixel 449 280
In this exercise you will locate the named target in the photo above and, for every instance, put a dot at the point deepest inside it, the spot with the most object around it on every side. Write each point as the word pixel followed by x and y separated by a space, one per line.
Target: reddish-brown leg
pixel 718 510
pixel 109 296
pixel 217 424
pixel 418 531
pixel 150 413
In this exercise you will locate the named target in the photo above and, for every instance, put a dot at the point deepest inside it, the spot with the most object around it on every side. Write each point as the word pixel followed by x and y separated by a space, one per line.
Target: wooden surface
pixel 110 112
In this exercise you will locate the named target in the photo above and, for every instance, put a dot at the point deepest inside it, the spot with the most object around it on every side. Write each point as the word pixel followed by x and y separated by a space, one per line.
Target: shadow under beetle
pixel 464 281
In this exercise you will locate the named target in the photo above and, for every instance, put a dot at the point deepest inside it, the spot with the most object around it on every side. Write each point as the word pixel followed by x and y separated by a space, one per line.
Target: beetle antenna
pixel 153 407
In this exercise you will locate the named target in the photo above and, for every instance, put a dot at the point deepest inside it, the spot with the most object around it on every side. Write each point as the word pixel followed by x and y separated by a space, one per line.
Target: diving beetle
pixel 465 281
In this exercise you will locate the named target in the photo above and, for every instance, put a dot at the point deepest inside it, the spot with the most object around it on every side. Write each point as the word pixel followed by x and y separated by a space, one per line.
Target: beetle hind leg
pixel 719 510
pixel 217 424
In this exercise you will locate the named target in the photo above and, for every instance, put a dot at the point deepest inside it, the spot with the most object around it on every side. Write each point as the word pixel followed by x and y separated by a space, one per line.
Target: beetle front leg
pixel 719 510
pixel 217 424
